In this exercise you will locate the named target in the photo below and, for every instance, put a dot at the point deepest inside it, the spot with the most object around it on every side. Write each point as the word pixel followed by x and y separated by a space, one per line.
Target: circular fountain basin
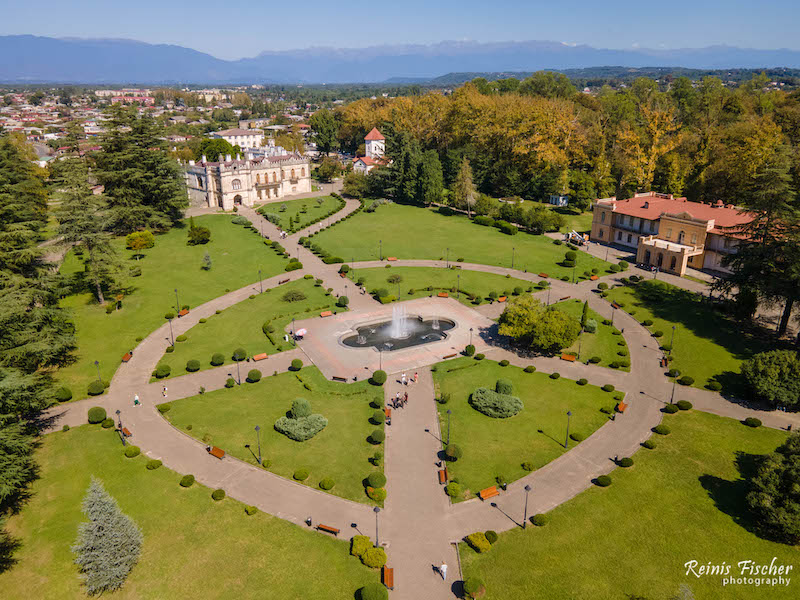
pixel 386 336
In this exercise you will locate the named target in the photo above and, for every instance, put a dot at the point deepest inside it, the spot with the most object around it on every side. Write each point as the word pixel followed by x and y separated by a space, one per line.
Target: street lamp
pixel 672 340
pixel 380 249
pixel 566 442
pixel 580 341
pixel 260 282
pixel 527 489
pixel 449 412
pixel 258 434
pixel 97 364
pixel 238 373
pixel 376 510
pixel 171 335
pixel 447 257
pixel 573 273
pixel 177 302
pixel 675 379
pixel 380 358
pixel 458 285
pixel 119 418
pixel 548 296
pixel 512 256
pixel 470 336
pixel 294 340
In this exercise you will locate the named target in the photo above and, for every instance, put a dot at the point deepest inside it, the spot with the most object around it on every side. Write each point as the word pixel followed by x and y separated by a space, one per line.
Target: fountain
pixel 399 327
pixel 401 332
pixel 435 324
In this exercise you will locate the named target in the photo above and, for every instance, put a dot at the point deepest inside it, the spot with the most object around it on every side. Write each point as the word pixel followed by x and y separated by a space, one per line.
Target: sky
pixel 231 30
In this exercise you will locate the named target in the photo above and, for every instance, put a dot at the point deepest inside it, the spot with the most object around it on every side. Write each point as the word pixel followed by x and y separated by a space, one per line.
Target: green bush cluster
pixel 218 494
pixel 162 371
pixel 253 376
pixel 107 423
pixel 217 359
pixel 495 405
pixel 529 369
pixel 752 422
pixel 96 388
pixel 540 520
pixel 192 365
pixel 453 489
pixel 603 481
pixel 373 591
pixel 661 429
pixel 376 494
pixel 683 405
pixel 626 462
pixel 478 542
pixel 649 444
pixel 555 375
pixel 153 464
pixel 376 437
pixel 301 474
pixel 453 452
pixel 97 414
pixel 670 409
pixel 608 388
pixel 326 484
pixel 63 394
pixel 302 428
pixel 378 378
pixel 132 451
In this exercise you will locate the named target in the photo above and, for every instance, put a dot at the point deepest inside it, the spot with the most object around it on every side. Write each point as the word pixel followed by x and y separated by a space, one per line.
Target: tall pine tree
pixel 431 180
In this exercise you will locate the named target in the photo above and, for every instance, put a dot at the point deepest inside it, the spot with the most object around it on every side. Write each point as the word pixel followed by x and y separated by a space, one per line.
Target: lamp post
pixel 449 412
pixel 119 418
pixel 121 433
pixel 380 358
pixel 566 441
pixel 238 373
pixel 580 341
pixel 512 256
pixel 674 380
pixel 177 302
pixel 458 285
pixel 447 257
pixel 97 364
pixel 294 341
pixel 548 296
pixel 527 489
pixel 260 282
pixel 171 335
pixel 380 249
pixel 672 341
pixel 376 510
pixel 573 273
pixel 470 336
pixel 258 435
pixel 606 254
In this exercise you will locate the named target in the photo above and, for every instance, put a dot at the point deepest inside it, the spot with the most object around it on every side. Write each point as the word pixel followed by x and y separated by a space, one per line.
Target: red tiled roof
pixel 374 135
pixel 651 207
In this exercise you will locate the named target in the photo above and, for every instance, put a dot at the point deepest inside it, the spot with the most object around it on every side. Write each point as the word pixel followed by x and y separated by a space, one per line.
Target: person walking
pixel 136 400
pixel 416 377
pixel 403 379
pixel 397 403
pixel 443 571
pixel 405 399
pixel 164 391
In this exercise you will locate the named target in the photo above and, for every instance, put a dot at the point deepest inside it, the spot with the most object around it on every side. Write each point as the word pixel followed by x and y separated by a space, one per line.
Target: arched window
pixel 258 177
pixel 647 257
pixel 660 260
pixel 200 181
pixel 672 263
pixel 303 172
pixel 292 173
pixel 237 184
pixel 681 235
pixel 274 177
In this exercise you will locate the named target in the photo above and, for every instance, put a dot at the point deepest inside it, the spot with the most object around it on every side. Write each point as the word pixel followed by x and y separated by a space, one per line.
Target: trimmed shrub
pixel 373 591
pixel 97 414
pixel 230 382
pixel 540 520
pixel 582 381
pixel 453 452
pixel 300 474
pixel 162 371
pixel 469 350
pixel 647 322
pixel 253 376
pixel 63 394
pixel 670 409
pixel 577 437
pixel 378 378
pixel 683 405
pixel 504 363
pixel 294 266
pixel 527 466
pixel 326 484
pixel 714 386
pixel 376 479
pixel 250 510
pixel 187 481
pixel 297 364
pixel 96 388
pixel 181 338
pixel 608 388
pixel 162 408
pixel 480 356
pixel 342 301
pixel 218 494
pixel 491 536
pixel 685 380
pixel 661 429
pixel 473 585
pixel 626 462
pixel 752 422
pixel 529 369
pixel 590 326
pixel 602 285
pixel 359 544
pixel 594 360
pixel 374 558
pixel 658 333
pixel 570 255
pixel 378 417
pixel 478 542
pixel 132 451
pixel 649 444
pixel 153 464
pixel 376 437
pixel 107 423
pixel 300 408
pixel 623 264
pixel 239 354
pixel 603 480
pixel 504 386
pixel 673 373
pixel 453 489
pixel 192 365
pixel 495 405
pixel 169 349
pixel 376 494
pixel 555 375
pixel 217 359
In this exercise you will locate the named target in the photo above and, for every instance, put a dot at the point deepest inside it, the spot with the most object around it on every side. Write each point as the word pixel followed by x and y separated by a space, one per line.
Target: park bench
pixel 328 528
pixel 501 299
pixel 339 378
pixel 184 312
pixel 664 361
pixel 443 476
pixel 126 357
pixel 444 295
pixel 621 407
pixel 388 412
pixel 388 577
pixel 489 492
pixel 217 452
pixel 544 275
pixel 258 357
pixel 568 357
pixel 565 298
pixel 326 313
pixel 343 275
pixel 284 281
pixel 126 432
pixel 391 258
pixel 615 305
pixel 450 356
pixel 593 278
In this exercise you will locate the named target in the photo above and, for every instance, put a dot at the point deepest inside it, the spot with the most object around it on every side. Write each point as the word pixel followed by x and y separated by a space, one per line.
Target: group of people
pixel 401 398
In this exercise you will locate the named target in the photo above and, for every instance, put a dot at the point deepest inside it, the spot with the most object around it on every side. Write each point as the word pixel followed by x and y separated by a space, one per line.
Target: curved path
pixel 418 522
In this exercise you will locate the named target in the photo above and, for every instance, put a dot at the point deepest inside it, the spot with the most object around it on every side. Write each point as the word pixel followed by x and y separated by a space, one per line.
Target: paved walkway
pixel 418 523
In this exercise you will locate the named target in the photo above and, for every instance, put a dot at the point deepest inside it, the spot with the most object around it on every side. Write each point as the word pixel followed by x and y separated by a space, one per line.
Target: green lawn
pixel 240 326
pixel 227 417
pixel 682 501
pixel 410 232
pixel 193 547
pixel 708 345
pixel 575 220
pixel 449 280
pixel 304 209
pixel 603 343
pixel 495 447
pixel 237 255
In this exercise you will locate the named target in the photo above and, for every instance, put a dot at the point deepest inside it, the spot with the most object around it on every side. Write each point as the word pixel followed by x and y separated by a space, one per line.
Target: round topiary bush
pixel 594 360
pixel 626 462
pixel 253 376
pixel 453 489
pixel 577 437
pixel 169 349
pixel 603 481
pixel 96 388
pixel 504 363
pixel 326 484
pixel 63 394
pixel 239 354
pixel 181 338
pixel 376 494
pixel 187 481
pixel 153 464
pixel 602 286
pixel 297 364
pixel 97 414
pixel 555 375
pixel 670 409
pixel 582 381
pixel 714 386
pixel 649 444
pixel 683 405
pixel 529 369
pixel 376 479
pixel 162 371
pixel 217 359
pixel 658 333
pixel 608 388
pixel 469 350
pixel 752 422
pixel 504 386
pixel 230 382
pixel 661 429
pixel 480 356
pixel 540 520
pixel 673 373
pixel 250 510
pixel 218 494
pixel 107 423
pixel 453 452
pixel 378 378
pixel 162 408
pixel 378 417
pixel 132 451
pixel 374 558
pixel 342 301
pixel 685 380
pixel 192 365
pixel 472 585
pixel 376 437
pixel 373 591
pixel 300 474
pixel 527 466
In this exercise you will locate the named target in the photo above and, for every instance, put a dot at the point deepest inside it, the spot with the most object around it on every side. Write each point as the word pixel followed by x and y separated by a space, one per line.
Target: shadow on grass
pixel 729 496
pixel 8 547
pixel 559 443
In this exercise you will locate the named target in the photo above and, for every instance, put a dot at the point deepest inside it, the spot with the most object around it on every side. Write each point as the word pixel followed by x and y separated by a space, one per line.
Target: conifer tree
pixel 464 193
pixel 108 544
pixel 431 179
pixel 584 314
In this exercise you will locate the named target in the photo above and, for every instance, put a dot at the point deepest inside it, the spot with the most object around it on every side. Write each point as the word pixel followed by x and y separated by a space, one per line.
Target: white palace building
pixel 260 176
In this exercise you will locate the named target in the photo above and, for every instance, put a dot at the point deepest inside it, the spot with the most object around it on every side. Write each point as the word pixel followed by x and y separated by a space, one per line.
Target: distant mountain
pixel 94 61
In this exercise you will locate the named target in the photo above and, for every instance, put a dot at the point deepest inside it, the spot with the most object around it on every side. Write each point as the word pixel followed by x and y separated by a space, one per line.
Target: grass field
pixel 495 447
pixel 449 280
pixel 409 232
pixel 682 501
pixel 708 345
pixel 575 220
pixel 304 209
pixel 237 255
pixel 603 344
pixel 227 417
pixel 193 547
pixel 240 326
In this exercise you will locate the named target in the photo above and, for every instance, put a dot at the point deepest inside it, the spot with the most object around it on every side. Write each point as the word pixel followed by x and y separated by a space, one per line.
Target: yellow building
pixel 667 232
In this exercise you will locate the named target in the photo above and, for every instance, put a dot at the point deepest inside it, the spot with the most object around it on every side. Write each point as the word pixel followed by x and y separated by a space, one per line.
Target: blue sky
pixel 229 29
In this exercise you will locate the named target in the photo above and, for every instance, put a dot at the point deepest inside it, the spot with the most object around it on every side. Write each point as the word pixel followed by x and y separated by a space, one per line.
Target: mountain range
pixel 98 61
